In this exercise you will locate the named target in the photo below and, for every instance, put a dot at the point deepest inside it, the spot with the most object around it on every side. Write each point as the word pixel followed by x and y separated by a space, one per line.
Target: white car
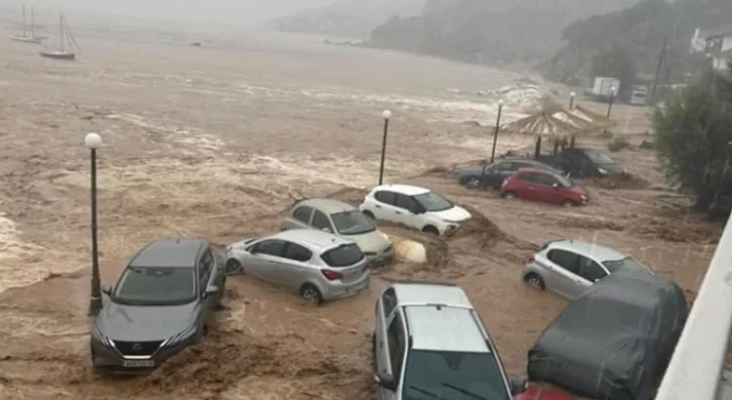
pixel 414 207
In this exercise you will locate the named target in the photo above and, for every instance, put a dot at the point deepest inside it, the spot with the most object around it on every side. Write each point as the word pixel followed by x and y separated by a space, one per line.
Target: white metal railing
pixel 696 366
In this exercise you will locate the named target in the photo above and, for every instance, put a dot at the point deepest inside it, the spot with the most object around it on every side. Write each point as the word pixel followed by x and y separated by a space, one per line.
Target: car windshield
pixel 599 158
pixel 432 201
pixel 627 262
pixel 352 223
pixel 453 375
pixel 156 286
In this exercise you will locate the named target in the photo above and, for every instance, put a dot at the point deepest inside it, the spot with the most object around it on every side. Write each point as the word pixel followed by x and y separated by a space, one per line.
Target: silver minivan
pixel 318 265
pixel 568 267
pixel 429 343
pixel 343 220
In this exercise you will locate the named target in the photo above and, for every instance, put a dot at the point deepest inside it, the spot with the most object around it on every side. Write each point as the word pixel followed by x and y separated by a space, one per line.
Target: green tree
pixel 615 62
pixel 693 130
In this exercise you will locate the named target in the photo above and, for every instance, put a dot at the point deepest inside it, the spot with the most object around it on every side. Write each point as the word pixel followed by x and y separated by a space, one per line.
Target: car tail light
pixel 367 265
pixel 331 275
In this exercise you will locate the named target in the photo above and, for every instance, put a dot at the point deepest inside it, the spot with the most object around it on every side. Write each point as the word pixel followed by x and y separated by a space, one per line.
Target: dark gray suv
pixel 164 301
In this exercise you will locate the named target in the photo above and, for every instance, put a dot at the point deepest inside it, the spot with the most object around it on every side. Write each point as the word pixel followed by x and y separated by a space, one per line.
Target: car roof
pixel 408 190
pixel 430 293
pixel 525 170
pixel 312 237
pixel 596 251
pixel 445 329
pixel 328 206
pixel 169 253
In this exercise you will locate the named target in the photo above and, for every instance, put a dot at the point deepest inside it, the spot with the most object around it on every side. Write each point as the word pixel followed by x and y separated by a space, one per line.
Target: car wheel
pixel 535 280
pixel 369 214
pixel 473 182
pixel 311 293
pixel 568 203
pixel 509 195
pixel 233 266
pixel 431 230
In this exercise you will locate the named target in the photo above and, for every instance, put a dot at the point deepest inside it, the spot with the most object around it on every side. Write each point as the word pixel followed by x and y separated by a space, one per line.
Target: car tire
pixel 431 230
pixel 369 214
pixel 473 182
pixel 233 267
pixel 535 280
pixel 311 293
pixel 568 204
pixel 509 195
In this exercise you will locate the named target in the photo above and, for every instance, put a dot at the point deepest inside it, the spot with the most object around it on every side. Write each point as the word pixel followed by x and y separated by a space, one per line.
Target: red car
pixel 544 392
pixel 538 185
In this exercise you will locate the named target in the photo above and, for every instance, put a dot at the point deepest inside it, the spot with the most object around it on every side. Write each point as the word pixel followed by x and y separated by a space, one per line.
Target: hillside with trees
pixel 637 34
pixel 349 18
pixel 488 31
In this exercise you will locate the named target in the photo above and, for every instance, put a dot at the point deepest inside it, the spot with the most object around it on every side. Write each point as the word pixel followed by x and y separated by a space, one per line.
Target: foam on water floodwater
pixel 13 271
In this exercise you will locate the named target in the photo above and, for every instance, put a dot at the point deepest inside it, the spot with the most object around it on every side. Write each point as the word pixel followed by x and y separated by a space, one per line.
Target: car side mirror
pixel 385 380
pixel 518 385
pixel 252 250
pixel 211 290
pixel 107 289
pixel 327 230
pixel 555 185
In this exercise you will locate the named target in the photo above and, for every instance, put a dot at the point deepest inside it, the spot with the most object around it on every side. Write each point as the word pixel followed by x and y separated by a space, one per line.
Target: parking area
pixel 166 172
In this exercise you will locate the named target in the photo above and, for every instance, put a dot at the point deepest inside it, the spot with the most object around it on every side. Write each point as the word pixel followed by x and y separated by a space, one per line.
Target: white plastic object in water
pixel 409 251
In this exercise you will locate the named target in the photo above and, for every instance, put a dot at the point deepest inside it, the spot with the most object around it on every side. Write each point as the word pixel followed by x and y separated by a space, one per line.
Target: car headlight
pixel 182 336
pixel 100 337
pixel 449 221
pixel 602 171
pixel 583 197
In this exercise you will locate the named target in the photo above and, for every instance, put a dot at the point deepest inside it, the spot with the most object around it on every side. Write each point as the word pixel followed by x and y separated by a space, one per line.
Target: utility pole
pixel 658 70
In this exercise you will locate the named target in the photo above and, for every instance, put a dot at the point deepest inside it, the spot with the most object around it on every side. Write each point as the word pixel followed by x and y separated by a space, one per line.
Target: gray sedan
pixel 568 267
pixel 318 265
pixel 343 220
pixel 493 175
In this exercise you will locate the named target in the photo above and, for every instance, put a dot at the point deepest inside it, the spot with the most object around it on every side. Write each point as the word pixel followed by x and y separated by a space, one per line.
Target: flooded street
pixel 214 142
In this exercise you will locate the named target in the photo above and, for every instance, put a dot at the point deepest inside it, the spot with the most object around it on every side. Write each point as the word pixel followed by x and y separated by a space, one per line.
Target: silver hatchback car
pixel 343 220
pixel 568 267
pixel 319 265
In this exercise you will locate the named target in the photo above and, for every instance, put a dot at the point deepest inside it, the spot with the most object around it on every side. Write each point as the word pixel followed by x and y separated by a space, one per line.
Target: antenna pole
pixel 24 23
pixel 661 57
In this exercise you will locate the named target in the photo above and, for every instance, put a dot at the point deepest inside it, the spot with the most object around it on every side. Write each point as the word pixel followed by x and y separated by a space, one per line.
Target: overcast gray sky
pixel 224 11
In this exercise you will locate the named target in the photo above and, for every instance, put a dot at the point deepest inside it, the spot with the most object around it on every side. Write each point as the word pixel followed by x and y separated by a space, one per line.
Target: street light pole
pixel 612 98
pixel 387 115
pixel 495 134
pixel 93 141
pixel 571 100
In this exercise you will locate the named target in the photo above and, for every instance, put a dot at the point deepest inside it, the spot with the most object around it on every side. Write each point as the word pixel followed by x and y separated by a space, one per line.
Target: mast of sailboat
pixel 33 23
pixel 61 30
pixel 70 36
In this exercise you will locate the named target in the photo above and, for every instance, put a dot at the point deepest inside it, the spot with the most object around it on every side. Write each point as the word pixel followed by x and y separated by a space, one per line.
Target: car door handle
pixel 399 212
pixel 532 188
pixel 377 206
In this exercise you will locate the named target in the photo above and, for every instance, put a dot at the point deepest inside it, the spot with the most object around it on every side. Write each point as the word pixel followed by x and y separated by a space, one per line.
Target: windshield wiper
pixel 461 390
pixel 424 391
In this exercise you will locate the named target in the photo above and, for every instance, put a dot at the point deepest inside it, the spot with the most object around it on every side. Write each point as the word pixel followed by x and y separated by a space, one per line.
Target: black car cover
pixel 615 341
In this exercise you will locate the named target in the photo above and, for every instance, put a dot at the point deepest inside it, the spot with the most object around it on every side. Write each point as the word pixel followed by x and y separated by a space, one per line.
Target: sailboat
pixel 65 40
pixel 24 36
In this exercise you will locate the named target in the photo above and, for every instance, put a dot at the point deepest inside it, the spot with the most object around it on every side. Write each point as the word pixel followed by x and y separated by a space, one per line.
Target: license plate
pixel 138 363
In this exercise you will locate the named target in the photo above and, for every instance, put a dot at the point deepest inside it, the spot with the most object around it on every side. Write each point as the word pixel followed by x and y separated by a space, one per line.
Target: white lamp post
pixel 93 141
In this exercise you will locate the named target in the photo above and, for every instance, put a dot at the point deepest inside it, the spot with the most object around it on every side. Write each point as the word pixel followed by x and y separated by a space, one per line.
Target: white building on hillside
pixel 716 44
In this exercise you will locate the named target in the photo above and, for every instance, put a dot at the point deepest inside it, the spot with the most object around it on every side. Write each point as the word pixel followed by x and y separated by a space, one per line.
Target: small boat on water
pixel 67 47
pixel 24 37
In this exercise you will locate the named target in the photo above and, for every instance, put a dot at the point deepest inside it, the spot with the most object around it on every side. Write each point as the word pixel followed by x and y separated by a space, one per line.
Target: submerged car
pixel 163 302
pixel 319 265
pixel 429 343
pixel 493 175
pixel 588 163
pixel 414 207
pixel 538 185
pixel 342 219
pixel 568 267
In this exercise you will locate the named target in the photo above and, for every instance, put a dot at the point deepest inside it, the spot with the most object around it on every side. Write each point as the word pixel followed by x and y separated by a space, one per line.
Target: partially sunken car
pixel 163 302
pixel 344 220
pixel 319 265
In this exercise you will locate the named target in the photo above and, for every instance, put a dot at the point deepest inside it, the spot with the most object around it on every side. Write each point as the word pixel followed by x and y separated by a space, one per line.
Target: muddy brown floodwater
pixel 214 143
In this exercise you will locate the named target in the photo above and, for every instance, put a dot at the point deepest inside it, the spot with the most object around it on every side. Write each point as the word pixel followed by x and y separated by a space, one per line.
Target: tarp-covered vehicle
pixel 615 341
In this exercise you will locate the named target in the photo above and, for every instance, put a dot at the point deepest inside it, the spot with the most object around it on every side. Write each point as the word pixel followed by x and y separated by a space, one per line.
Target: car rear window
pixel 343 256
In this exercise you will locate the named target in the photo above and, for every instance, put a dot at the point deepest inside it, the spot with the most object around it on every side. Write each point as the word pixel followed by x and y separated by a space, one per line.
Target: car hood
pixel 612 169
pixel 456 213
pixel 372 242
pixel 145 323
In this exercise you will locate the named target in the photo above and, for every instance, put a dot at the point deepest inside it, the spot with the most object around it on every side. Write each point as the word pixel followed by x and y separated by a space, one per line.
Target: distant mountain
pixel 640 31
pixel 488 31
pixel 349 18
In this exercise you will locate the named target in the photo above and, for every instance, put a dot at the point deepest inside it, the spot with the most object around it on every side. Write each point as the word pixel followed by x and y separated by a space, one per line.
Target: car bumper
pixel 109 358
pixel 339 291
pixel 381 260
